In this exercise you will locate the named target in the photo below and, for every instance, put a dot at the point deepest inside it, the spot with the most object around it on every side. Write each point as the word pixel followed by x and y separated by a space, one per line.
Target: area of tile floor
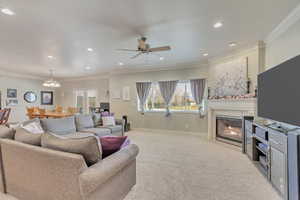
pixel 186 167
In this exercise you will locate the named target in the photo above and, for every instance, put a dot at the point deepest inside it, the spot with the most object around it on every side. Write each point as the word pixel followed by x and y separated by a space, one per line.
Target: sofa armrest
pixel 121 122
pixel 96 175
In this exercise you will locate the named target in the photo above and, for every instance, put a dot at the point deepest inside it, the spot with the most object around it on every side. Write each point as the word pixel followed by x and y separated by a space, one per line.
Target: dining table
pixel 52 114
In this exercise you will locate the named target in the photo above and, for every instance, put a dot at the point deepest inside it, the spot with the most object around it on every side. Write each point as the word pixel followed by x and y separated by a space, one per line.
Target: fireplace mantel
pixel 228 107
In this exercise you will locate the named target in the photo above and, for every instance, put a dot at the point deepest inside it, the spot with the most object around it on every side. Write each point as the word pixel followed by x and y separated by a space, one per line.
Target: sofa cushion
pixel 109 121
pixel 7 133
pixel 97 131
pixel 33 126
pixel 87 145
pixel 97 119
pixel 111 144
pixel 83 122
pixel 26 137
pixel 60 126
pixel 30 121
pixel 115 129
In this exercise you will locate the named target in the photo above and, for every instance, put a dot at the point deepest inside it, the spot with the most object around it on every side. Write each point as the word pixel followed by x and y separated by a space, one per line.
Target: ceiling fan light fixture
pixel 90 49
pixel 161 58
pixel 121 64
pixel 218 25
pixel 7 11
pixel 232 44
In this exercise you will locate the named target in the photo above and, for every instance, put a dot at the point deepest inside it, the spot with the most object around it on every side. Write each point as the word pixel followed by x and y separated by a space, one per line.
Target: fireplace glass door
pixel 230 129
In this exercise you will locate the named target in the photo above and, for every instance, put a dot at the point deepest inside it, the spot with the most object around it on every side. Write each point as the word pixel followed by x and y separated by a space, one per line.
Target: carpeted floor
pixel 185 167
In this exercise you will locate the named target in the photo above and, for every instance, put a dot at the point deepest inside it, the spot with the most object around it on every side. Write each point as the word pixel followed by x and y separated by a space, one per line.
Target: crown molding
pixel 4 73
pixel 291 19
pixel 85 78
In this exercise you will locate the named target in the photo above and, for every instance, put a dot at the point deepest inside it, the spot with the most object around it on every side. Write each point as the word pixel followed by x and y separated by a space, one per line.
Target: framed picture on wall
pixel 126 93
pixel 11 102
pixel 11 93
pixel 46 97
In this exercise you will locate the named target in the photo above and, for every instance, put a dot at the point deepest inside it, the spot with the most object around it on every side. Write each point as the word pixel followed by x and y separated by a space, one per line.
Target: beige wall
pixel 189 122
pixel 22 85
pixel 65 94
pixel 284 47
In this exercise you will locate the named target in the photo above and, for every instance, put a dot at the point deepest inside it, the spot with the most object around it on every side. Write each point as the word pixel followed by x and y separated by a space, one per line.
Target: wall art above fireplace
pixel 230 78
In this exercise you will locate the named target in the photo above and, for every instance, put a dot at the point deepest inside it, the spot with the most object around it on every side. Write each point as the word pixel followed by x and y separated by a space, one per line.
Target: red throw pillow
pixel 111 144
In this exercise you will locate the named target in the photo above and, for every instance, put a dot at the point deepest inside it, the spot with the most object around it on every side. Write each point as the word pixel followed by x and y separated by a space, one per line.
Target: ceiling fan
pixel 144 48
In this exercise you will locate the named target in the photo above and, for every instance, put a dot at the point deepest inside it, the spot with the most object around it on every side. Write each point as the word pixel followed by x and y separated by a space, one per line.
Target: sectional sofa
pixel 32 172
pixel 83 124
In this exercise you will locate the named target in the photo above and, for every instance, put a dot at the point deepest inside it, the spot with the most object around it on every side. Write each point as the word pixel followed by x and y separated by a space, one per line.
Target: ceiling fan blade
pixel 165 48
pixel 133 57
pixel 127 50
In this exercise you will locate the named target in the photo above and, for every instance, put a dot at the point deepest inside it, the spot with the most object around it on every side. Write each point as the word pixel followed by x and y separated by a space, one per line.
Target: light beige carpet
pixel 185 167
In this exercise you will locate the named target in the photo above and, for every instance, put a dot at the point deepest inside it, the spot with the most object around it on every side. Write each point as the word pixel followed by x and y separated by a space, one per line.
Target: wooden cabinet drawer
pixel 278 140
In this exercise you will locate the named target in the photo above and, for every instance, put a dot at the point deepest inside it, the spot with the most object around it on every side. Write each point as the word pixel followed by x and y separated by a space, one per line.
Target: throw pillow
pixel 111 144
pixel 109 121
pixel 84 144
pixel 61 126
pixel 97 119
pixel 33 127
pixel 24 136
pixel 84 122
pixel 7 133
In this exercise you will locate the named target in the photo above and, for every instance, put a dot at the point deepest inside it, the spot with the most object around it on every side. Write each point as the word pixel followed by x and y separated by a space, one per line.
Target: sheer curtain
pixel 198 88
pixel 143 89
pixel 167 89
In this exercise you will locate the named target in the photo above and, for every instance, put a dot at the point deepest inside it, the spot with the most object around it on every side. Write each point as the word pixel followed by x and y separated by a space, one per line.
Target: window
pixel 181 101
pixel 85 99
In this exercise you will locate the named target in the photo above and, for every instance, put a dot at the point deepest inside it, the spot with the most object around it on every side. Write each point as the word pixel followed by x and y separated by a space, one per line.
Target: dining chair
pixel 36 109
pixel 59 109
pixel 4 115
pixel 72 110
pixel 42 113
pixel 30 112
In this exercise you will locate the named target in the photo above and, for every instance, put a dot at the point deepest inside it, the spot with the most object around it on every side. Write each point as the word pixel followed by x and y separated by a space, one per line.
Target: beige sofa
pixel 35 173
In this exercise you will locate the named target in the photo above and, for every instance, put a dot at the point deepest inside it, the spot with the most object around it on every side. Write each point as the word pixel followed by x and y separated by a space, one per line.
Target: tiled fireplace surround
pixel 228 107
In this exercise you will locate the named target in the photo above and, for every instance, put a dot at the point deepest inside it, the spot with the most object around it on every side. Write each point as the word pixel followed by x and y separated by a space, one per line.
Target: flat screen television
pixel 279 93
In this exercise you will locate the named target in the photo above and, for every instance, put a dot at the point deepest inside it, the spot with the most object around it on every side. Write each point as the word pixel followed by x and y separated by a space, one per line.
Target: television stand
pixel 269 153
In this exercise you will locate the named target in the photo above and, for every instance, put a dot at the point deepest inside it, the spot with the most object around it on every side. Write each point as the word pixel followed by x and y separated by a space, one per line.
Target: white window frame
pixel 204 104
pixel 85 98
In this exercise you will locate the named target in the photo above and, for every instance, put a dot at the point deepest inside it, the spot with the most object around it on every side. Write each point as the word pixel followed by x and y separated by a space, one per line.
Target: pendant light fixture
pixel 51 82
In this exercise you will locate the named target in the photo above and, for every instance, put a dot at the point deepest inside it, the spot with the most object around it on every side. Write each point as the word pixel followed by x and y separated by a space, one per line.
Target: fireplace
pixel 229 130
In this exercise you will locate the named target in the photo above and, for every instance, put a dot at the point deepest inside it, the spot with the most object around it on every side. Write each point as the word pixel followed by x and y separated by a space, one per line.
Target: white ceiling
pixel 66 28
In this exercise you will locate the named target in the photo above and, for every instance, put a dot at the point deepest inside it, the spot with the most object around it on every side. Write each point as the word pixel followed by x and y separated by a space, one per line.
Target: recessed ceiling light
pixel 121 64
pixel 218 25
pixel 90 49
pixel 205 54
pixel 50 57
pixel 161 58
pixel 232 44
pixel 88 68
pixel 7 11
